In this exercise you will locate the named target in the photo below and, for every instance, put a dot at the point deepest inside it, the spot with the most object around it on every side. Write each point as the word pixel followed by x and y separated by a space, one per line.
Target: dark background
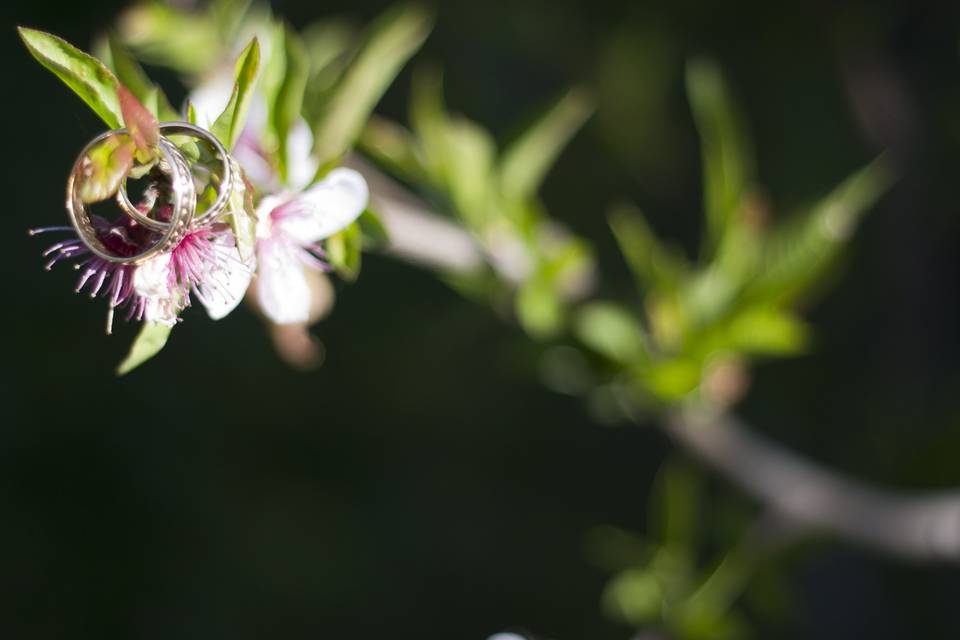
pixel 423 483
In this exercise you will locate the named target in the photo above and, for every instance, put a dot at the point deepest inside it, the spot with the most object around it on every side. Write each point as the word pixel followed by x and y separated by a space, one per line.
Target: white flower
pixel 289 231
pixel 206 263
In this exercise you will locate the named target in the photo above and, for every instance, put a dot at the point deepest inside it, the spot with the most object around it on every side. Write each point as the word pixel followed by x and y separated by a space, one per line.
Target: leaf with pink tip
pixel 141 124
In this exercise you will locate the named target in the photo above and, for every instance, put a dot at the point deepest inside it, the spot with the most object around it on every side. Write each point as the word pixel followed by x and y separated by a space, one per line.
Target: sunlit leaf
pixel 87 76
pixel 374 231
pixel 395 37
pixel 654 265
pixel 767 332
pixel 469 169
pixel 160 33
pixel 148 343
pixel 428 117
pixel 801 251
pixel 242 218
pixel 728 165
pixel 289 96
pixel 392 147
pixel 104 167
pixel 344 251
pixel 141 124
pixel 526 162
pixel 229 125
pixel 612 331
pixel 539 308
pixel 131 75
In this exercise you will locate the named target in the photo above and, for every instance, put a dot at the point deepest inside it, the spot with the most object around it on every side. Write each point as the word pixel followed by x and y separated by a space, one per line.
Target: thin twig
pixel 918 525
pixel 913 525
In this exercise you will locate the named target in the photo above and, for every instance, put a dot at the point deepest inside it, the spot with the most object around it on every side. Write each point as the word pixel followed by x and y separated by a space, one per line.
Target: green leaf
pixel 242 218
pixel 612 331
pixel 470 154
pixel 393 39
pixel 654 265
pixel 148 343
pixel 229 125
pixel 104 167
pixel 288 101
pixel 728 165
pixel 801 252
pixel 676 505
pixel 539 309
pixel 344 251
pixel 393 147
pixel 526 162
pixel 87 76
pixel 766 331
pixel 187 41
pixel 131 75
pixel 374 231
pixel 141 124
pixel 428 117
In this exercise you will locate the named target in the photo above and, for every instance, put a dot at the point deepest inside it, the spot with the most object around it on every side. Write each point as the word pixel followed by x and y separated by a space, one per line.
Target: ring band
pixel 184 203
pixel 223 194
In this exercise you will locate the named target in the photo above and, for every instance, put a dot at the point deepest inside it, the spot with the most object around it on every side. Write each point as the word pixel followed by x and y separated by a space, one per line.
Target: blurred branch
pixel 914 525
pixel 920 526
pixel 417 233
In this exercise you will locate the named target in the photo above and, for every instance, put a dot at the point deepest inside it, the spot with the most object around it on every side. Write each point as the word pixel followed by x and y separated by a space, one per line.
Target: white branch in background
pixel 918 526
pixel 913 525
pixel 417 234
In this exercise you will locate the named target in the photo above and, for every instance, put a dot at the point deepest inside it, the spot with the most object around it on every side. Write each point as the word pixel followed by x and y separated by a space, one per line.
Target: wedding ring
pixel 184 203
pixel 227 176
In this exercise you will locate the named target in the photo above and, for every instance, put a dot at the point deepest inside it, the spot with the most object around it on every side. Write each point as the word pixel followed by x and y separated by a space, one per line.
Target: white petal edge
pixel 228 284
pixel 282 289
pixel 324 209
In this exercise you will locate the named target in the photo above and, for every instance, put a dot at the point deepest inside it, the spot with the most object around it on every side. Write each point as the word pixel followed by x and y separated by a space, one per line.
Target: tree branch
pixel 913 525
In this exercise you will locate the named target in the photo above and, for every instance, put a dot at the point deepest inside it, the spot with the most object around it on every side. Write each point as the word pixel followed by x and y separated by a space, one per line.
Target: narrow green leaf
pixel 728 165
pixel 654 265
pixel 766 331
pixel 470 155
pixel 801 251
pixel 374 231
pixel 393 147
pixel 162 34
pixel 539 309
pixel 141 124
pixel 393 39
pixel 242 218
pixel 428 117
pixel 229 125
pixel 148 343
pixel 131 75
pixel 344 251
pixel 612 331
pixel 288 102
pixel 87 76
pixel 526 162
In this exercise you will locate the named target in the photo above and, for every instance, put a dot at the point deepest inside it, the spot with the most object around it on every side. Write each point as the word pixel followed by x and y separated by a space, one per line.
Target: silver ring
pixel 226 179
pixel 184 203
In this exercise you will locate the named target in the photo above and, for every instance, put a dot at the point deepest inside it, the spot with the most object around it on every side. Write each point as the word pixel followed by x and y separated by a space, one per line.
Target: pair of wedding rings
pixel 183 216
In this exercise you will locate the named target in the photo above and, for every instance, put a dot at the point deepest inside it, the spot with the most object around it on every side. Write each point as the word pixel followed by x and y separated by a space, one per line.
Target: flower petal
pixel 226 285
pixel 324 209
pixel 302 165
pixel 282 289
pixel 152 279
